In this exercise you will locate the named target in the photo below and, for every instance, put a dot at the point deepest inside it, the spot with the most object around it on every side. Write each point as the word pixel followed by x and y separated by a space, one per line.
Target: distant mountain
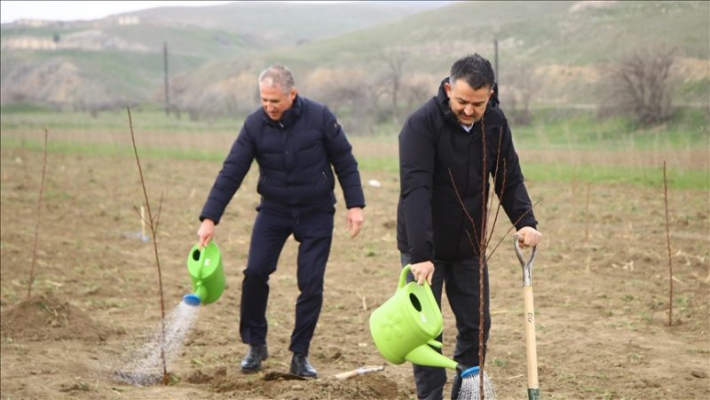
pixel 270 24
pixel 347 54
pixel 119 59
pixel 556 49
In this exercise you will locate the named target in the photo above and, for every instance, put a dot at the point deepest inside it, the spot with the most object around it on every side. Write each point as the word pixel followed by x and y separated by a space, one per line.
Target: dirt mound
pixel 371 386
pixel 272 385
pixel 286 386
pixel 46 317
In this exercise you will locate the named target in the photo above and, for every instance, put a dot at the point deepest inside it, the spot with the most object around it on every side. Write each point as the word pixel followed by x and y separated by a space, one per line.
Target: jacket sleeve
pixel 509 181
pixel 341 157
pixel 234 169
pixel 417 157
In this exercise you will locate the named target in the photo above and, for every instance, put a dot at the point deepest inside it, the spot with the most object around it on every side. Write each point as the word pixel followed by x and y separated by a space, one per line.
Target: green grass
pixel 145 117
pixel 677 179
pixel 574 132
pixel 559 128
pixel 66 147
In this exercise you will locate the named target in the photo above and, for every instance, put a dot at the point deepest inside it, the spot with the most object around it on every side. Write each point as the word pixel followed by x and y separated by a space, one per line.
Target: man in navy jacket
pixel 296 143
pixel 448 148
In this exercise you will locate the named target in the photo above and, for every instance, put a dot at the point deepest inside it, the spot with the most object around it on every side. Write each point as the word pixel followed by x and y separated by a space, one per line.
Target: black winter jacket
pixel 433 148
pixel 294 157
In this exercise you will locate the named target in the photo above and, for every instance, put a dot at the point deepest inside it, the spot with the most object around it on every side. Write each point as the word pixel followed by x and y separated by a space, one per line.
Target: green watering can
pixel 207 273
pixel 405 327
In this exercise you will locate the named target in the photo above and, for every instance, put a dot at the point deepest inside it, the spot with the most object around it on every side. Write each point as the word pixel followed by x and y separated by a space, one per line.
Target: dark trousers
pixel 314 235
pixel 461 280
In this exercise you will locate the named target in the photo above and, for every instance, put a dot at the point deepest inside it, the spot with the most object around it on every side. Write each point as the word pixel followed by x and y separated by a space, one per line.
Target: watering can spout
pixel 192 300
pixel 425 355
pixel 195 299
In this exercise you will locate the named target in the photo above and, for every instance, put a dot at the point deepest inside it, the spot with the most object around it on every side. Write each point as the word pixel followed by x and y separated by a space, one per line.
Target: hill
pixel 354 55
pixel 119 59
pixel 553 52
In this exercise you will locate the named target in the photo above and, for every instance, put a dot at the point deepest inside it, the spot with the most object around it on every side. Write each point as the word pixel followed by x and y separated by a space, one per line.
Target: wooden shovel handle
pixel 530 344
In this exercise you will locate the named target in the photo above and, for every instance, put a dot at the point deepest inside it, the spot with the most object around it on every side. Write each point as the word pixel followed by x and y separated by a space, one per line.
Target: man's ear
pixel 447 89
pixel 293 93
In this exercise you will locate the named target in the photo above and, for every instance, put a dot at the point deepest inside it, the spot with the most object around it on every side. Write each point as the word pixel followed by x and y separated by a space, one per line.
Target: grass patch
pixel 545 172
pixel 146 118
pixel 113 150
pixel 560 128
pixel 677 179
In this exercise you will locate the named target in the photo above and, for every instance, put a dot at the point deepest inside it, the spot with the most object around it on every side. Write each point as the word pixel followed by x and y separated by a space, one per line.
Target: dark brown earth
pixel 601 286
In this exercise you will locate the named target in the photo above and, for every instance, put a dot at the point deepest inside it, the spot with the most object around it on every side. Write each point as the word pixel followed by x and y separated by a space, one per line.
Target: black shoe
pixel 301 367
pixel 253 359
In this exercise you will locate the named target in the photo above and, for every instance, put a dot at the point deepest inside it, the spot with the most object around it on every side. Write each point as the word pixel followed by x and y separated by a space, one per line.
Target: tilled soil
pixel 601 286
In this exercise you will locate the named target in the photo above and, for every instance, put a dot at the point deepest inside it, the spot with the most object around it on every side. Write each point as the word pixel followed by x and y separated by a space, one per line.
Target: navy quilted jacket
pixel 296 158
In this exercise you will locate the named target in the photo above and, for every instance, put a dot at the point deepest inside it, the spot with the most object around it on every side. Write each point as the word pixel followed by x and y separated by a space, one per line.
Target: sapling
pixel 39 207
pixel 153 228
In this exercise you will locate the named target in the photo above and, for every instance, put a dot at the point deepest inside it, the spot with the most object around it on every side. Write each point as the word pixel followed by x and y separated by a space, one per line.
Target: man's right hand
pixel 205 232
pixel 423 271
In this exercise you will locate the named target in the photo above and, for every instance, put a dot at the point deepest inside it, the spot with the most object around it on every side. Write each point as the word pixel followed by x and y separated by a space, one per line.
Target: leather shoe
pixel 301 367
pixel 253 359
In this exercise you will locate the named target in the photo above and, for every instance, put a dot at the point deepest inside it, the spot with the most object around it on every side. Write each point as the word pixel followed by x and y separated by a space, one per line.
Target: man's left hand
pixel 355 220
pixel 529 236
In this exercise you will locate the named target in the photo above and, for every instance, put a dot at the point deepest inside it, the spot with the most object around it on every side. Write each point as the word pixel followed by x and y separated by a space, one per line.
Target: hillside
pixel 283 24
pixel 348 54
pixel 119 59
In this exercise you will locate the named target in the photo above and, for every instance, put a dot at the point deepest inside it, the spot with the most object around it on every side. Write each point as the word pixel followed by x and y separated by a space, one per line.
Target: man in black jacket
pixel 295 141
pixel 447 150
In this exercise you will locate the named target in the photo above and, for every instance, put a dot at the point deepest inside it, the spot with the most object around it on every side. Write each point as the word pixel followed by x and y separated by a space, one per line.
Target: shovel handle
pixel 530 337
pixel 526 264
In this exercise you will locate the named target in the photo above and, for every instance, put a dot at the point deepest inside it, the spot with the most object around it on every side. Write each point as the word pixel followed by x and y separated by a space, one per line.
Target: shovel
pixel 531 346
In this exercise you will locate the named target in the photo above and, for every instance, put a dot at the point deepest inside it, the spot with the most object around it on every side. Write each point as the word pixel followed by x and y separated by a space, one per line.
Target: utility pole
pixel 167 87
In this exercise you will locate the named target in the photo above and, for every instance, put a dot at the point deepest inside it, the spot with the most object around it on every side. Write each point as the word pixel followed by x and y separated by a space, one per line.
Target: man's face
pixel 466 103
pixel 274 101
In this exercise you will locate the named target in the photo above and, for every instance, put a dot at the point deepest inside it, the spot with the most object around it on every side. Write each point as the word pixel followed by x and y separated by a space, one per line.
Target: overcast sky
pixel 74 10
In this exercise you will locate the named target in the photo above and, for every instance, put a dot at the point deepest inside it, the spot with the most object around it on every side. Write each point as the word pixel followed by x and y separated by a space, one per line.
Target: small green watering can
pixel 207 273
pixel 405 327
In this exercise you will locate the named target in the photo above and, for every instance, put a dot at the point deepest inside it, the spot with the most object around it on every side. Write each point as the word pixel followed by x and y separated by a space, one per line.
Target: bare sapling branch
pixel 495 186
pixel 152 226
pixel 39 208
pixel 668 245
pixel 587 267
pixel 513 226
pixel 482 261
pixel 463 207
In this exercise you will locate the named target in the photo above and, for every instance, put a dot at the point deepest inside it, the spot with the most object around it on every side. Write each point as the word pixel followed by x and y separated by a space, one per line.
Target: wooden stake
pixel 143 223
pixel 668 243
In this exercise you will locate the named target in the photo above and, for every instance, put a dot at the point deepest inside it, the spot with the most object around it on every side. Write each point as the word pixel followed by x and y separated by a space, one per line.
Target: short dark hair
pixel 476 70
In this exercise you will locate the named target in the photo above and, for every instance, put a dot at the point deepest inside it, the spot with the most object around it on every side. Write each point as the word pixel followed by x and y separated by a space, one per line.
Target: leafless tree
pixel 522 83
pixel 392 78
pixel 639 86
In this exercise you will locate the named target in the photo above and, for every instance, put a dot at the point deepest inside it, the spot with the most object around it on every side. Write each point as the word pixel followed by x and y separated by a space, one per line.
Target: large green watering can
pixel 406 326
pixel 207 274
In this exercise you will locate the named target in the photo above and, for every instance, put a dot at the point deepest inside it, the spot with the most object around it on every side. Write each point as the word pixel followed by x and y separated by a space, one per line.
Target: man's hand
pixel 205 232
pixel 354 221
pixel 423 271
pixel 529 237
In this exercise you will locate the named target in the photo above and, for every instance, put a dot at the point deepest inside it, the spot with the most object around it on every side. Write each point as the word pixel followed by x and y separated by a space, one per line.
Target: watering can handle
pixel 403 276
pixel 201 258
